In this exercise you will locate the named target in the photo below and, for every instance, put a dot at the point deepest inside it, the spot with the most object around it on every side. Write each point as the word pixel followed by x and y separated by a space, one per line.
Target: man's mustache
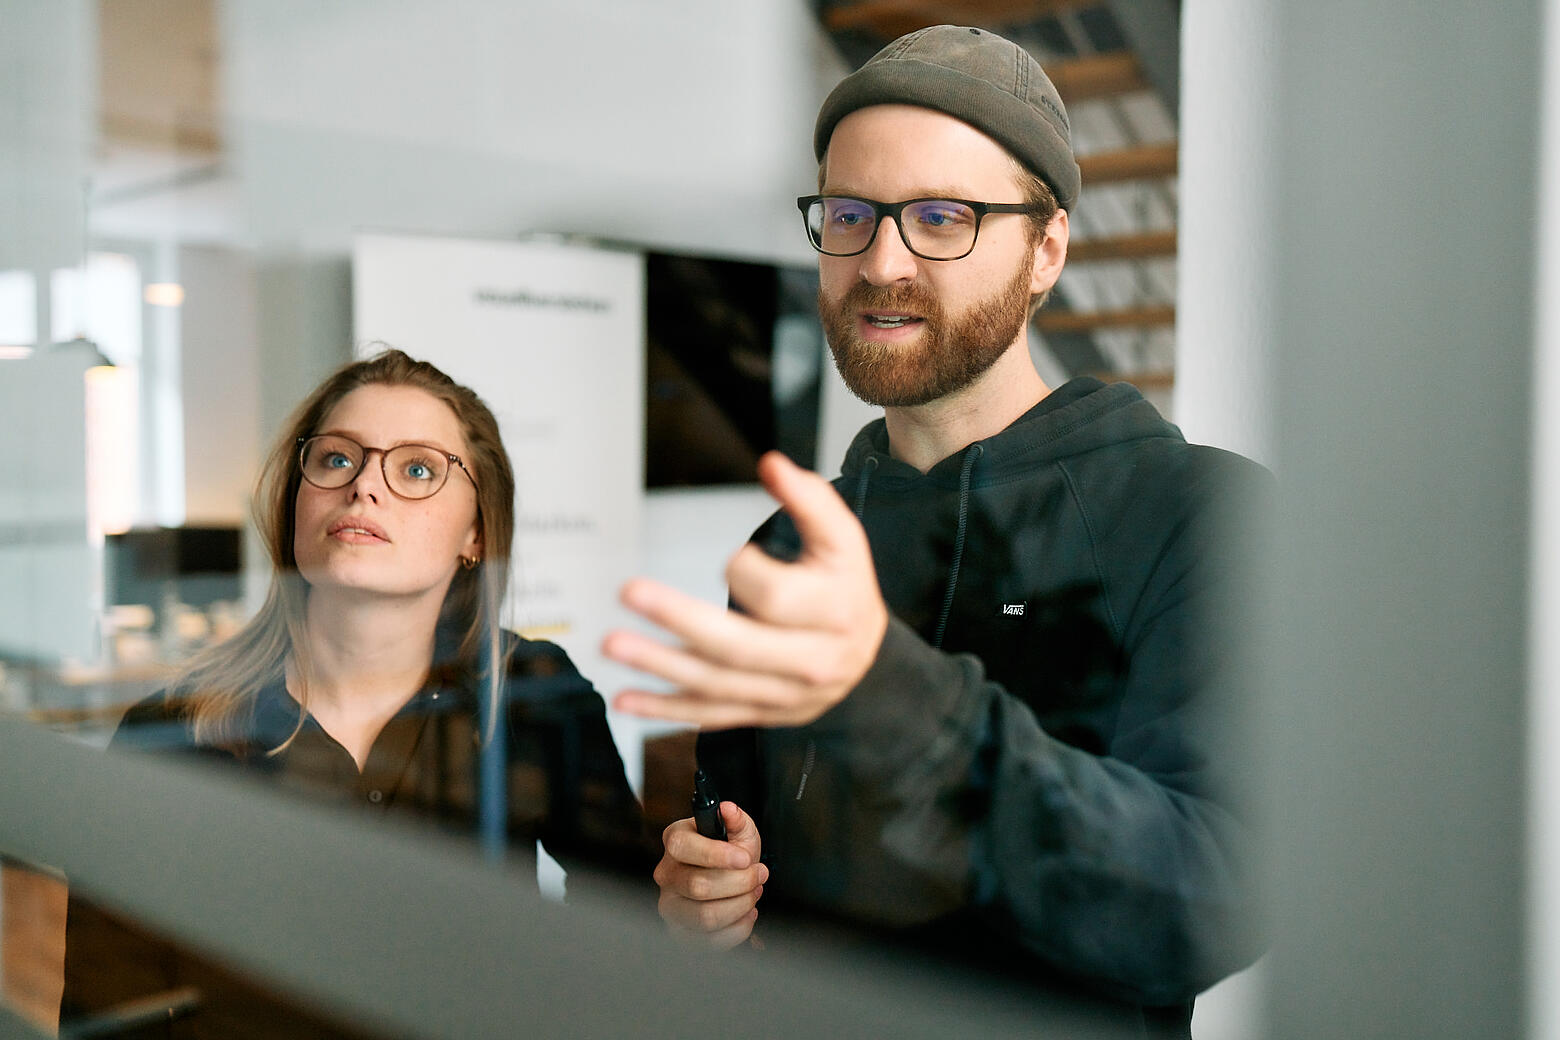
pixel 914 297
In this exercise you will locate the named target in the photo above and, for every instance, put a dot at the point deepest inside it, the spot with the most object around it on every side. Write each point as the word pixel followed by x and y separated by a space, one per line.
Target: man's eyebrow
pixel 940 192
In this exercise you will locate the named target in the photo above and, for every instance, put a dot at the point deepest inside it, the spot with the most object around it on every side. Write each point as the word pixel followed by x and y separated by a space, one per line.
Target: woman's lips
pixel 357 531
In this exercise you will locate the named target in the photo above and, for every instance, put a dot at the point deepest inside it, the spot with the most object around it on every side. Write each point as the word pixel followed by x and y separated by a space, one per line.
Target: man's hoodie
pixel 1039 766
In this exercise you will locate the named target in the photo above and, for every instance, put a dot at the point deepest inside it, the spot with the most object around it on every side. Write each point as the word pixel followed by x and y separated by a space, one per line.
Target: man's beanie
pixel 990 83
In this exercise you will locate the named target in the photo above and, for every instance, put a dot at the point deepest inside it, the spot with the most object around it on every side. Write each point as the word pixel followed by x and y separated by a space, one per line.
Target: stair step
pixel 1092 321
pixel 1122 247
pixel 1141 162
pixel 1097 76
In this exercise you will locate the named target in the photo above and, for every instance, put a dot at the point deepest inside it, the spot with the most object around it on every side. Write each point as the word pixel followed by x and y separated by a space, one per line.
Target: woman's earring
pixel 469 562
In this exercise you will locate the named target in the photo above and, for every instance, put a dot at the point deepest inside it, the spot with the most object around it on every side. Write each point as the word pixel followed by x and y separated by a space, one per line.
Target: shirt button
pixel 376 796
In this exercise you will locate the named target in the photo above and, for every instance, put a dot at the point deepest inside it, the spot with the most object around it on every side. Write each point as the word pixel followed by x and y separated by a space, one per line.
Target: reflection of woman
pixel 376 674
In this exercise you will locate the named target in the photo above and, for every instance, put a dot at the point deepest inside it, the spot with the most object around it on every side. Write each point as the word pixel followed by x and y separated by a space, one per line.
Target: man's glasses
pixel 411 471
pixel 932 229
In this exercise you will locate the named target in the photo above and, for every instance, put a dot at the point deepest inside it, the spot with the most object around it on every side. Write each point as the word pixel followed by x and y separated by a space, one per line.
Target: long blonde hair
pixel 221 684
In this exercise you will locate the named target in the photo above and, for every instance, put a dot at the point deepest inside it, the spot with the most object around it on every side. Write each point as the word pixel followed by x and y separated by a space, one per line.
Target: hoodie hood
pixel 1080 416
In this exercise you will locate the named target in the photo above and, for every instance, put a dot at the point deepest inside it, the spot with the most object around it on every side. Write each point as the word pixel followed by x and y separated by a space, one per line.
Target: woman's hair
pixel 221 683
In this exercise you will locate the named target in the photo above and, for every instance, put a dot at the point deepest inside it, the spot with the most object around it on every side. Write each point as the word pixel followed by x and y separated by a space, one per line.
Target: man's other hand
pixel 710 889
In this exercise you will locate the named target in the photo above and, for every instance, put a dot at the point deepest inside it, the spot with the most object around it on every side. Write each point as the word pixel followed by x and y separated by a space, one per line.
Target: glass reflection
pixel 223 168
pixel 375 675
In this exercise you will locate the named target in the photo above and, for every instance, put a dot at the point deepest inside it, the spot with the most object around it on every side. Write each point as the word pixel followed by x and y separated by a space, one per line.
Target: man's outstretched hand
pixel 809 631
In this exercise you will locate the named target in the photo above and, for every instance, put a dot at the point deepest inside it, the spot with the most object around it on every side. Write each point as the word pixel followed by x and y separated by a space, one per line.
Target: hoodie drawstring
pixel 974 452
pixel 861 484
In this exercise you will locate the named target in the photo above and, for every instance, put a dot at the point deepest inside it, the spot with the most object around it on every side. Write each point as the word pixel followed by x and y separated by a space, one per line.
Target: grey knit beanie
pixel 977 76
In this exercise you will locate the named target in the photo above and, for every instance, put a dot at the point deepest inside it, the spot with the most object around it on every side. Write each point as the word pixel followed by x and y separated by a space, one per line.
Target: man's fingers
pixel 826 524
pixel 721 925
pixel 700 670
pixel 814 628
pixel 736 934
pixel 742 832
pixel 765 674
pixel 726 654
pixel 716 633
pixel 702 885
pixel 670 608
pixel 786 594
pixel 685 845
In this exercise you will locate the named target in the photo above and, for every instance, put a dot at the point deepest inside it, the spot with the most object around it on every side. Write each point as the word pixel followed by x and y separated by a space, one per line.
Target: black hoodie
pixel 1033 772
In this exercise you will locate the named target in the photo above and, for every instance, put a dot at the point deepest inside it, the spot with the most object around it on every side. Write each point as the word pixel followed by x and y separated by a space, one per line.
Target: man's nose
pixel 887 260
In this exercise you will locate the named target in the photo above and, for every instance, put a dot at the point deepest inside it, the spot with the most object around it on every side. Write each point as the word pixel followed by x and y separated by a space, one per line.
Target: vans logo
pixel 1014 609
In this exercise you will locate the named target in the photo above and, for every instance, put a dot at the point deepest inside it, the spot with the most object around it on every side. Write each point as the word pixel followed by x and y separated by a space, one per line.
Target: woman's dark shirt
pixel 565 789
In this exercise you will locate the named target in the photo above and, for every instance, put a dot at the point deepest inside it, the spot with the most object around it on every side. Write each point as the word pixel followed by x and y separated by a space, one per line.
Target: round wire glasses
pixel 411 471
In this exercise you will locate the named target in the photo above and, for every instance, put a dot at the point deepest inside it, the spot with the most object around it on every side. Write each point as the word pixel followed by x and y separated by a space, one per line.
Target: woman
pixel 377 673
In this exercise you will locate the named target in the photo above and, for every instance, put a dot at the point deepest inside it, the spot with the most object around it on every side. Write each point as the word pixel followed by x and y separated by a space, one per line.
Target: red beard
pixel 949 355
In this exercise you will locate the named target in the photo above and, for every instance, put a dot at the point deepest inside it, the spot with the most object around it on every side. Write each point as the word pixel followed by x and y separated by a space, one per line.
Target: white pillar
pixel 1224 281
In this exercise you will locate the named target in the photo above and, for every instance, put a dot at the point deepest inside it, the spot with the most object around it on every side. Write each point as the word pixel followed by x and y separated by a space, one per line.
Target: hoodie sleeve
pixel 933 790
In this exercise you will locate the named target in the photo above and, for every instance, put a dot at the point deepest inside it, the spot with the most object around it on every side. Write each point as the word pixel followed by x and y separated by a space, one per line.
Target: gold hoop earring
pixel 470 562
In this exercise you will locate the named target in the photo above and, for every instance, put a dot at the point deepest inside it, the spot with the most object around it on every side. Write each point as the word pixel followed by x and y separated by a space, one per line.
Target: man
pixel 980 715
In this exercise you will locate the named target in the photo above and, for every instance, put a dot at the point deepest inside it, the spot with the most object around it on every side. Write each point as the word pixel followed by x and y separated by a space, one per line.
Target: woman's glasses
pixel 412 471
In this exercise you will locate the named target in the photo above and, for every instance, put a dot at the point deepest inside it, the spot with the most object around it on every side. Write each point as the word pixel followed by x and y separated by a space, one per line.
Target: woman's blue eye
pixel 419 471
pixel 336 460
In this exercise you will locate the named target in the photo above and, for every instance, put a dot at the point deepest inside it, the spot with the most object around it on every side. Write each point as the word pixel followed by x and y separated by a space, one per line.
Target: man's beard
pixel 950 355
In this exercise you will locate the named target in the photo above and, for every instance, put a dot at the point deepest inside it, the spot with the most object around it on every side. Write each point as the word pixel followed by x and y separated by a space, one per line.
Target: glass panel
pixel 299 759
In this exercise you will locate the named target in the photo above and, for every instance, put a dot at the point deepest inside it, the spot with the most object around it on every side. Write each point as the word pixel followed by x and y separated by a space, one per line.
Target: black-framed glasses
pixel 412 471
pixel 932 229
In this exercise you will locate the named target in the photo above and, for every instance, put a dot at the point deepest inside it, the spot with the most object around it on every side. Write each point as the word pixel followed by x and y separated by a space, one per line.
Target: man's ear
pixel 1050 254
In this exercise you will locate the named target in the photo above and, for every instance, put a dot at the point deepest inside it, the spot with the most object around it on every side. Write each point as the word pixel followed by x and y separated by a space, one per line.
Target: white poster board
pixel 551 335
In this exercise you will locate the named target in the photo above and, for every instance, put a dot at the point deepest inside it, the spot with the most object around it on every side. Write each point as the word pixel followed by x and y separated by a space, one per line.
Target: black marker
pixel 706 808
